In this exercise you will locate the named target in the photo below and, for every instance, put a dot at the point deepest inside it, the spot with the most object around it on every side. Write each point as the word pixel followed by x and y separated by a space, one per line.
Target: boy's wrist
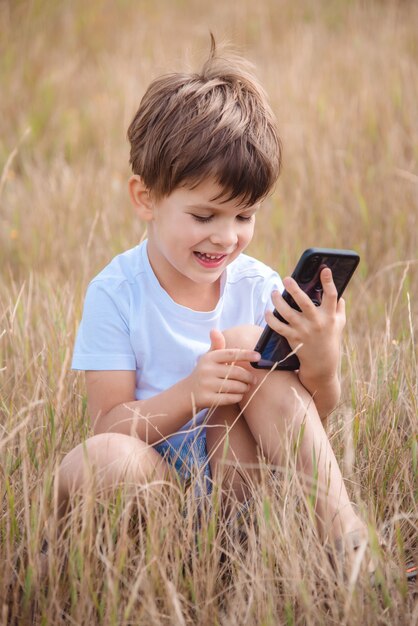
pixel 184 396
pixel 325 391
pixel 314 381
pixel 188 390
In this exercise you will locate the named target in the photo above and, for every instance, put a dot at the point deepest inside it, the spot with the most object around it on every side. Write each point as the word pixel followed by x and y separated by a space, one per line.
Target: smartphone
pixel 274 348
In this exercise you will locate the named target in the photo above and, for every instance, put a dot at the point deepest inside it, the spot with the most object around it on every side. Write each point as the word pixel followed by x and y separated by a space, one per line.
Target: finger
pixel 225 399
pixel 341 309
pixel 236 372
pixel 330 294
pixel 280 327
pixel 233 386
pixel 299 296
pixel 217 340
pixel 231 355
pixel 286 311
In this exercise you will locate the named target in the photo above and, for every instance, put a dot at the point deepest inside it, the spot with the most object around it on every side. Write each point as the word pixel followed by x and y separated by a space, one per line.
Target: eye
pixel 245 218
pixel 202 219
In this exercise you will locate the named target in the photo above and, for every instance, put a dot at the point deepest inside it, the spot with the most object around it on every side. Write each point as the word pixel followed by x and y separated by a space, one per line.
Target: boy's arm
pixel 318 330
pixel 215 381
pixel 113 408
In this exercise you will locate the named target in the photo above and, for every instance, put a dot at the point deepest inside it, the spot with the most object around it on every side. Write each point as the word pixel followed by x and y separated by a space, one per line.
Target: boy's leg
pixel 275 415
pixel 228 467
pixel 106 461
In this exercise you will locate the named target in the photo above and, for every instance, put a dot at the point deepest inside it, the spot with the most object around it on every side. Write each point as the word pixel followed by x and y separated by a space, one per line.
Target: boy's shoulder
pixel 124 268
pixel 247 267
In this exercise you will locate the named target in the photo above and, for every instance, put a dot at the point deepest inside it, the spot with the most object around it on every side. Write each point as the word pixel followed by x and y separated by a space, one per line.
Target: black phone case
pixel 274 348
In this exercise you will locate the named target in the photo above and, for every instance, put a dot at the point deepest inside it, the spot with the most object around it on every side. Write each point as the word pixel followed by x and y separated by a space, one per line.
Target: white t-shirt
pixel 131 323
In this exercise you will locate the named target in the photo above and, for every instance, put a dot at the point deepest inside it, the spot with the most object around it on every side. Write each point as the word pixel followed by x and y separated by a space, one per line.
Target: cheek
pixel 194 233
pixel 246 235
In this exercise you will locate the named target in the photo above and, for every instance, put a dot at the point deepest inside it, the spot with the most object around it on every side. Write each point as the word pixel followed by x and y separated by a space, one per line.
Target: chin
pixel 208 280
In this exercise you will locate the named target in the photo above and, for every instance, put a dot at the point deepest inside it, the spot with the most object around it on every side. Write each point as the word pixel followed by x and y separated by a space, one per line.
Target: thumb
pixel 217 340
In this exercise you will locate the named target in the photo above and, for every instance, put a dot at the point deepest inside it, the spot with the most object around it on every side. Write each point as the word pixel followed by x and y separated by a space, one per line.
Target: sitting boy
pixel 169 326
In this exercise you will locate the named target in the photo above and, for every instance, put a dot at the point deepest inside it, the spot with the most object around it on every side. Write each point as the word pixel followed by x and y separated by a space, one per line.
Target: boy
pixel 169 327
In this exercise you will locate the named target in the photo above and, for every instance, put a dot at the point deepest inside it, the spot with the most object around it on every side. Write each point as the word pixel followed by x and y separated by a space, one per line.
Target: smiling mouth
pixel 210 257
pixel 210 260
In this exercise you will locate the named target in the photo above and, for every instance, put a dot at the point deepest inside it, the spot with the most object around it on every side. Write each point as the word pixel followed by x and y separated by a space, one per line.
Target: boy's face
pixel 192 237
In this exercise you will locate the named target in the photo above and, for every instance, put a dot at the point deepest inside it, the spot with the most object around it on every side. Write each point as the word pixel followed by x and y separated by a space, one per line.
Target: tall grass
pixel 343 81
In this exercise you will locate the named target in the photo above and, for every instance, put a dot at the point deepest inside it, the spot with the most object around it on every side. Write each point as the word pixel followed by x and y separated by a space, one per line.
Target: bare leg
pixel 98 465
pixel 109 459
pixel 241 451
pixel 277 414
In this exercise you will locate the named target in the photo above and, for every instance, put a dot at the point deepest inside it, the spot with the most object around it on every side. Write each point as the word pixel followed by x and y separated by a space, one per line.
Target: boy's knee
pixel 101 449
pixel 244 336
pixel 116 457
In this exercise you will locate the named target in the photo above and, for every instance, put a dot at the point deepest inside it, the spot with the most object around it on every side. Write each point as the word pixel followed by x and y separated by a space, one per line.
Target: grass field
pixel 343 81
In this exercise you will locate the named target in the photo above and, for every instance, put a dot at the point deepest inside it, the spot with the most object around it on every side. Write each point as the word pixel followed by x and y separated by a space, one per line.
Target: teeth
pixel 210 257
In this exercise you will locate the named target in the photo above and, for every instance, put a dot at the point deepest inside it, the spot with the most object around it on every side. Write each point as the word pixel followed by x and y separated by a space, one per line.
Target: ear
pixel 141 198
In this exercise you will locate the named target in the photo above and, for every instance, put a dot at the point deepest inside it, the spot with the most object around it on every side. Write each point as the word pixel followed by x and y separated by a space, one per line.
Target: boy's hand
pixel 318 328
pixel 217 378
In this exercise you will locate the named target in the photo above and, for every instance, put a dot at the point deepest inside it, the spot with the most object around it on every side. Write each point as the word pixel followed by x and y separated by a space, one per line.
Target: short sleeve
pixel 264 303
pixel 103 337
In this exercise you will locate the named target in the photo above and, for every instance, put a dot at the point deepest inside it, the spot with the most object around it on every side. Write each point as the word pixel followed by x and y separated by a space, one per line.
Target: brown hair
pixel 216 123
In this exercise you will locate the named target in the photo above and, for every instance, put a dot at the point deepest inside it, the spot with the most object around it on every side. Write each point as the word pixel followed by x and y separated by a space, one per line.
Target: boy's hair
pixel 216 123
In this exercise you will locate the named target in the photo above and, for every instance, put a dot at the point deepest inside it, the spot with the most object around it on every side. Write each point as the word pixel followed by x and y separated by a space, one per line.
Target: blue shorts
pixel 190 459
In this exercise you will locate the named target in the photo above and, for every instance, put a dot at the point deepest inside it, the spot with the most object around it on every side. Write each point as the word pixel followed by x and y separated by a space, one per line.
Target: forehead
pixel 208 194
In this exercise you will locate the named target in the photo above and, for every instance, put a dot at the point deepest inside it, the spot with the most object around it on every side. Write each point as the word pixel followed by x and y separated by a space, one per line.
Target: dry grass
pixel 343 80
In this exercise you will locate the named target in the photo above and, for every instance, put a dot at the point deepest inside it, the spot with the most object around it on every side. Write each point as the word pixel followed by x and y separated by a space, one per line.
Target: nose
pixel 224 236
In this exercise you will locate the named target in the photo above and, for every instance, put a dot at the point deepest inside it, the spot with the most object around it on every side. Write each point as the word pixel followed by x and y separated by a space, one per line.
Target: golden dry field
pixel 342 76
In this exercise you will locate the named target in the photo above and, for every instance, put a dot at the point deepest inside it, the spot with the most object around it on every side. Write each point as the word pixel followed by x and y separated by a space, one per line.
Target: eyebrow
pixel 208 207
